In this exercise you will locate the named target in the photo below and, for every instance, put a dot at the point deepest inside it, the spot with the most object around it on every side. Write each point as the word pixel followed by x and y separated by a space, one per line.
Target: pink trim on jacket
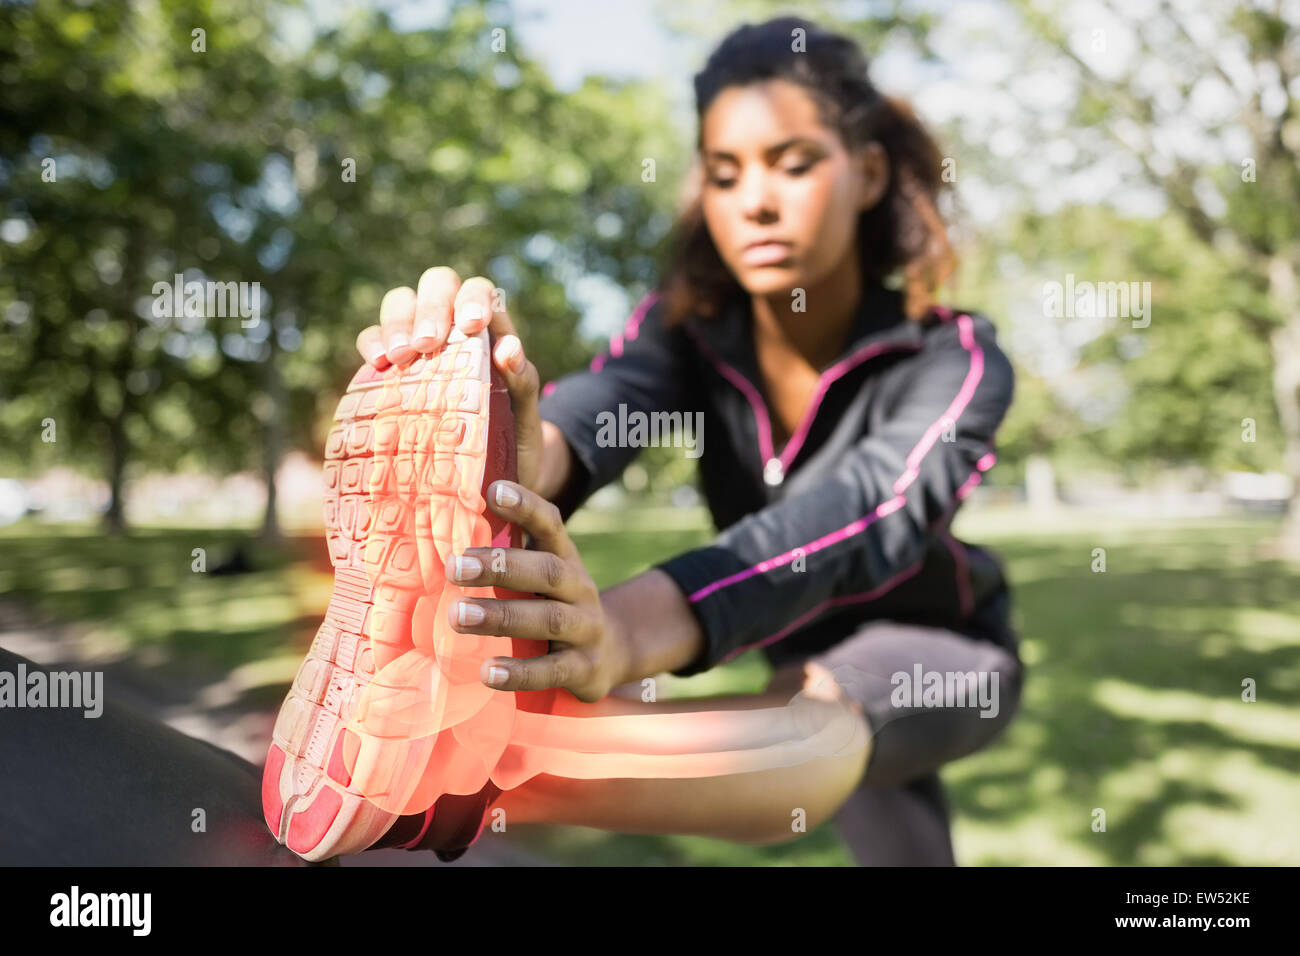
pixel 824 382
pixel 878 591
pixel 952 413
pixel 761 420
pixel 966 603
pixel 969 485
pixel 825 541
pixel 967 331
pixel 984 464
pixel 630 329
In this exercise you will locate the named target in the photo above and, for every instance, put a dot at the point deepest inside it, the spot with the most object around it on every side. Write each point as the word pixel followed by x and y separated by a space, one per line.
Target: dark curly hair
pixel 902 231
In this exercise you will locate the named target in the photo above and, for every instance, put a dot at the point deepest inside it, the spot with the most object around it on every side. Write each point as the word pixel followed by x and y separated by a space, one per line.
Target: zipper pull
pixel 773 472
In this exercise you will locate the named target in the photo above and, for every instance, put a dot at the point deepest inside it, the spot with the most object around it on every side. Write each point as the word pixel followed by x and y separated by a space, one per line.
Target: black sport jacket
pixel 849 521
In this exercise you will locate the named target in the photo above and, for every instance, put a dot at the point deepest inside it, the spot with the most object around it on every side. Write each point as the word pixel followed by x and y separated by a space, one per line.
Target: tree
pixel 98 194
pixel 196 140
pixel 1215 129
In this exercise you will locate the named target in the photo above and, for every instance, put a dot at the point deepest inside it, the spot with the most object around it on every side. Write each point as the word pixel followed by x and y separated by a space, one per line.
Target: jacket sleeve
pixel 774 570
pixel 642 370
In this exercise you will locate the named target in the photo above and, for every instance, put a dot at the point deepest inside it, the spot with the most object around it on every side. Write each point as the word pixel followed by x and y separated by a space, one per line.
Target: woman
pixel 844 421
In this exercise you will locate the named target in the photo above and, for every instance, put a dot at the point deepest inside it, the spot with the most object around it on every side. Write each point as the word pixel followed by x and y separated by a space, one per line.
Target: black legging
pixel 898 815
pixel 122 789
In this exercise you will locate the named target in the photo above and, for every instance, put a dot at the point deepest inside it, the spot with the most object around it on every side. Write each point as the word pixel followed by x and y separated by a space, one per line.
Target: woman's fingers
pixel 566 668
pixel 370 343
pixel 519 373
pixel 570 618
pixel 473 309
pixel 414 321
pixel 533 620
pixel 508 353
pixel 539 517
pixel 436 293
pixel 396 315
pixel 523 384
pixel 536 572
pixel 500 322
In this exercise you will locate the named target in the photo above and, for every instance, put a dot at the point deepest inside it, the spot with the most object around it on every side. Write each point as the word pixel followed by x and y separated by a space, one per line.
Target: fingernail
pixel 497 676
pixel 425 330
pixel 470 614
pixel 375 356
pixel 468 314
pixel 510 347
pixel 398 340
pixel 467 568
pixel 507 497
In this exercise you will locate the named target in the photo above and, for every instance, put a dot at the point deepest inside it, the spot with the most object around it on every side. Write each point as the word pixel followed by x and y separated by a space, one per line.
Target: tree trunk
pixel 118 452
pixel 1286 385
pixel 273 439
pixel 1284 292
pixel 119 445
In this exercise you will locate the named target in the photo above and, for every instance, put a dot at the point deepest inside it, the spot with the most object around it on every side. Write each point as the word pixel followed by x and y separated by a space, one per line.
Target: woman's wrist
pixel 620 643
pixel 557 463
pixel 652 625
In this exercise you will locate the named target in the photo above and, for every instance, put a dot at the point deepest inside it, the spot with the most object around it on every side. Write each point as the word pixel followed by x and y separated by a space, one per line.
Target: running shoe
pixel 402 488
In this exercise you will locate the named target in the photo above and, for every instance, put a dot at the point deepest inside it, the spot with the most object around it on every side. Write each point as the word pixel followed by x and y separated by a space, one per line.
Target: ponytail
pixel 919 242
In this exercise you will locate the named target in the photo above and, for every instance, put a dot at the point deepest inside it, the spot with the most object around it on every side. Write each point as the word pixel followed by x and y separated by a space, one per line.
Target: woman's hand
pixel 418 321
pixel 589 653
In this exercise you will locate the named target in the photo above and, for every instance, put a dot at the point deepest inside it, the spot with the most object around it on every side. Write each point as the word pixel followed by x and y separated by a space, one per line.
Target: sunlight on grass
pixel 1258 722
pixel 1191 830
pixel 1263 631
pixel 1036 842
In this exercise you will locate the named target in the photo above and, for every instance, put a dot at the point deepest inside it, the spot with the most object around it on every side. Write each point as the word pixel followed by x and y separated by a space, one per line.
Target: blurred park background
pixel 160 488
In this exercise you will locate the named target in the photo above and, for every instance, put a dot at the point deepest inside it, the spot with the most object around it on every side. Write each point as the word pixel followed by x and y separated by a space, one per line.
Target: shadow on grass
pixel 1133 701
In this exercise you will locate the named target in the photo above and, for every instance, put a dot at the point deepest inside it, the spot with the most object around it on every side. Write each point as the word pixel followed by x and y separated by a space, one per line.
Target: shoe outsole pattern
pixel 442 405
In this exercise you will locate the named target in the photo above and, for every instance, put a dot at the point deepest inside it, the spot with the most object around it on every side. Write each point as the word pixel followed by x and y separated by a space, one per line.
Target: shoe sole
pixel 308 797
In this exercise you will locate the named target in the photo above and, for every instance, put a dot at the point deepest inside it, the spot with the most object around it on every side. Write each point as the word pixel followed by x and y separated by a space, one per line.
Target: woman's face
pixel 771 171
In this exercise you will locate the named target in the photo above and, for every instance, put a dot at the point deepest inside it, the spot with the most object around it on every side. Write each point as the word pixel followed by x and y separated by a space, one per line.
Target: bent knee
pixel 1010 675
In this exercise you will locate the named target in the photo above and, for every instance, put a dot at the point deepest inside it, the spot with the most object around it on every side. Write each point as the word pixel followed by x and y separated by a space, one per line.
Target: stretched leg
pixel 760 806
pixel 121 789
pixel 886 799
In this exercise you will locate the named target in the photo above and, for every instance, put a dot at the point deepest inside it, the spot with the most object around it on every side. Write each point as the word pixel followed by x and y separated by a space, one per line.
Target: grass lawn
pixel 1133 702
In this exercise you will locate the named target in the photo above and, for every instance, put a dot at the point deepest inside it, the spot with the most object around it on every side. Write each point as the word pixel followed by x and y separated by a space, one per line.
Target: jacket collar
pixel 879 327
pixel 879 323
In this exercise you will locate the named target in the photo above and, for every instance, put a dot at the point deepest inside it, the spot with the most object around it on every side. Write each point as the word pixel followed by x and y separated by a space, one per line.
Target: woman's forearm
pixel 557 463
pixel 657 627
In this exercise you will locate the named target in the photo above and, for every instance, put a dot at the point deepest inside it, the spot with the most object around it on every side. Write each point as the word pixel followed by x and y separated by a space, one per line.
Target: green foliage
pixel 234 164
